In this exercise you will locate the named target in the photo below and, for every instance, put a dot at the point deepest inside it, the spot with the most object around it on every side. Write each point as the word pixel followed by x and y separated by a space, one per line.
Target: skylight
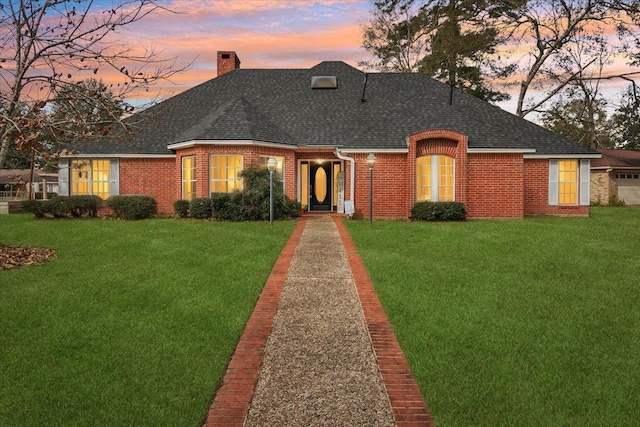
pixel 324 82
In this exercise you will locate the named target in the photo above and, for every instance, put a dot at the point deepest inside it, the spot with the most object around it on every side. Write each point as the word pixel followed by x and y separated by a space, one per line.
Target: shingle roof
pixel 619 159
pixel 280 106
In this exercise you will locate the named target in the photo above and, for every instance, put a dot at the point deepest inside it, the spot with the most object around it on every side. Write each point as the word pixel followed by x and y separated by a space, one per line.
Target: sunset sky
pixel 263 33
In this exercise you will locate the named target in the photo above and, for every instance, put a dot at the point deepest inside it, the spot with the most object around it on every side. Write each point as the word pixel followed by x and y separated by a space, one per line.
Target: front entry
pixel 320 187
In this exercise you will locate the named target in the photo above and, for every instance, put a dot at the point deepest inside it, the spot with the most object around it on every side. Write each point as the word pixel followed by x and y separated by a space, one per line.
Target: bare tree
pixel 565 40
pixel 47 44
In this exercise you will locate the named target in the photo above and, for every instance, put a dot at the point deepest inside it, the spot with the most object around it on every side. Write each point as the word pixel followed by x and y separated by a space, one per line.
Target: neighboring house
pixel 617 173
pixel 320 124
pixel 14 182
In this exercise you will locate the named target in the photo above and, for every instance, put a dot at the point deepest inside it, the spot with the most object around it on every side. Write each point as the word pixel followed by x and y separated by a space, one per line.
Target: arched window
pixel 435 178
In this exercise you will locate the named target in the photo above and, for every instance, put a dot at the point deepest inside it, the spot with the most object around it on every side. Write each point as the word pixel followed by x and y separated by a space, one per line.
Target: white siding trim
pixel 114 177
pixel 435 181
pixel 553 182
pixel 585 180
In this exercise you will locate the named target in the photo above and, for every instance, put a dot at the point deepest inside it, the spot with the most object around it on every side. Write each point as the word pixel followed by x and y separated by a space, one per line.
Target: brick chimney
pixel 227 61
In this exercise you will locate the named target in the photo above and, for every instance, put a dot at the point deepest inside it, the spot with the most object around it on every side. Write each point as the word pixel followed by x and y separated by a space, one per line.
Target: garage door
pixel 629 187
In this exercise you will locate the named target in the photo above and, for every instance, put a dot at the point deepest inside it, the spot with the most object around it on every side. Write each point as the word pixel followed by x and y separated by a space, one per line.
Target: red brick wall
pixel 389 194
pixel 495 186
pixel 438 141
pixel 536 191
pixel 490 185
pixel 153 177
pixel 536 186
pixel 251 155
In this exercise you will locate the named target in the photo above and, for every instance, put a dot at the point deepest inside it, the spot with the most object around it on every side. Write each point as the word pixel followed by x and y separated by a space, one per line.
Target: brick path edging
pixel 231 402
pixel 407 403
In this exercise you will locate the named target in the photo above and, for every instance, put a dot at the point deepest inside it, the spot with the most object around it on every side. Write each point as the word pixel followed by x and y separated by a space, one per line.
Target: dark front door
pixel 320 179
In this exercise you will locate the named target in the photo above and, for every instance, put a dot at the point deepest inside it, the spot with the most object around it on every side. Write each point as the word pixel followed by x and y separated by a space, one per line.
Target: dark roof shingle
pixel 280 106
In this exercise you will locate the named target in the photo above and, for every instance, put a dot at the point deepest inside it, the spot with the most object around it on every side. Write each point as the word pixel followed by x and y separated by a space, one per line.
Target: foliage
pixel 581 120
pixel 83 205
pixel 200 208
pixel 181 208
pixel 626 121
pixel 614 201
pixel 85 110
pixel 78 206
pixel 132 207
pixel 536 310
pixel 250 204
pixel 567 41
pixel 36 207
pixel 465 58
pixel 48 47
pixel 450 42
pixel 438 211
pixel 134 322
pixel 466 43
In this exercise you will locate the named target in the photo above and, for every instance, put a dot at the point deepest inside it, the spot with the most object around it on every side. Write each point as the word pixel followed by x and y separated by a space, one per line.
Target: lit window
pixel 90 177
pixel 435 178
pixel 568 182
pixel 189 177
pixel 224 173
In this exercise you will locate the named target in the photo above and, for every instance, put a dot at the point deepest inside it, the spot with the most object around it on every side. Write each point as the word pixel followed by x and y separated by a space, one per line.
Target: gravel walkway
pixel 319 367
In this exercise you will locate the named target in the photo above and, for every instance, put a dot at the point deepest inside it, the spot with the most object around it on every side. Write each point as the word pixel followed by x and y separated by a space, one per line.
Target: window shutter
pixel 585 181
pixel 114 177
pixel 553 182
pixel 63 177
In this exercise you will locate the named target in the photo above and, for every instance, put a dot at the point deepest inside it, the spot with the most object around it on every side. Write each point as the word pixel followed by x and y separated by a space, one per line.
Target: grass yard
pixel 133 323
pixel 533 322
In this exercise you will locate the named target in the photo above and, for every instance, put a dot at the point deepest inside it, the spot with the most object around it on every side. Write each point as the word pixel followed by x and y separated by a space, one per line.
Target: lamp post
pixel 271 165
pixel 371 160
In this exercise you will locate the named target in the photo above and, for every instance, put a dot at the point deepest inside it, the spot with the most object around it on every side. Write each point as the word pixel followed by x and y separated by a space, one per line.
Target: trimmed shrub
pixel 250 204
pixel 200 208
pixel 439 211
pixel 257 196
pixel 58 207
pixel 81 206
pixel 37 207
pixel 132 207
pixel 181 208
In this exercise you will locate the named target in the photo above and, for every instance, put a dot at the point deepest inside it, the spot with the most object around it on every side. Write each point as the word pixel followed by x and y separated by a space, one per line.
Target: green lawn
pixel 533 322
pixel 133 323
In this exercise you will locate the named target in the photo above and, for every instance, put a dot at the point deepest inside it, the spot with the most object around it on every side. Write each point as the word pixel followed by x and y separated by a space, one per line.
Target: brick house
pixel 616 173
pixel 320 124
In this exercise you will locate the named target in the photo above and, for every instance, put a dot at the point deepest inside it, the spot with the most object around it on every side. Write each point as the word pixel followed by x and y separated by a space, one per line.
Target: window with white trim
pixel 90 177
pixel 224 173
pixel 569 181
pixel 435 178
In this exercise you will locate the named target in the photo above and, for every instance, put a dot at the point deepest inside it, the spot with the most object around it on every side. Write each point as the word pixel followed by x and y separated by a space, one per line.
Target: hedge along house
pixel 320 124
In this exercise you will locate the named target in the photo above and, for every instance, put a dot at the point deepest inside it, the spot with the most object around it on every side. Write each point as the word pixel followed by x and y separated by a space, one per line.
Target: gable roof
pixel 364 112
pixel 617 159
